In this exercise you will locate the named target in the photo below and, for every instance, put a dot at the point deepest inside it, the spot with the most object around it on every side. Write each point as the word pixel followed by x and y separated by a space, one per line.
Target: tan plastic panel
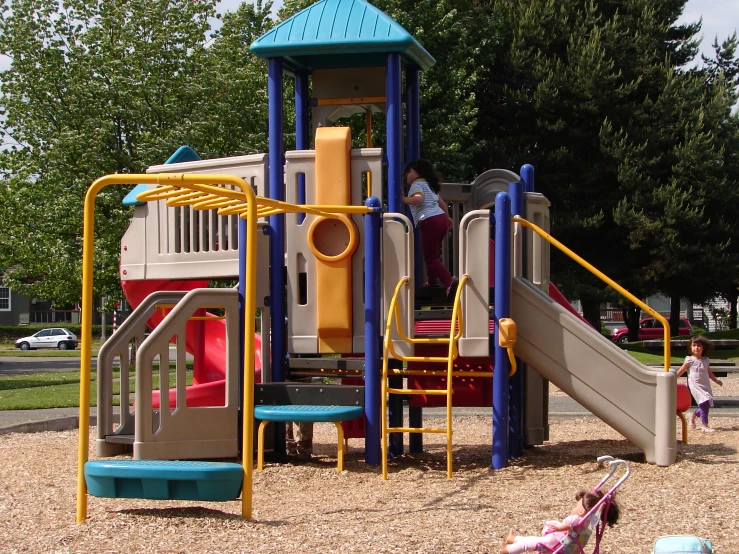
pixel 121 347
pixel 637 402
pixel 184 243
pixel 302 334
pixel 490 183
pixel 185 432
pixel 537 212
pixel 397 262
pixel 474 261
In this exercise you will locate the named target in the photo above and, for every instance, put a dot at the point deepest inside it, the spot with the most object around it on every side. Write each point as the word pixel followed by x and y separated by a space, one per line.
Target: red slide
pixel 204 339
pixel 560 299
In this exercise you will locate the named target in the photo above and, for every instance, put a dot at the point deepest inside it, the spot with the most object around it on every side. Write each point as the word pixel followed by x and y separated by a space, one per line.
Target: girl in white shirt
pixel 431 217
pixel 700 376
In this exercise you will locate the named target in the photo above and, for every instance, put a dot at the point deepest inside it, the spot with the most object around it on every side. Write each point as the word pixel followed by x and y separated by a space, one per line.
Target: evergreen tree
pixel 624 141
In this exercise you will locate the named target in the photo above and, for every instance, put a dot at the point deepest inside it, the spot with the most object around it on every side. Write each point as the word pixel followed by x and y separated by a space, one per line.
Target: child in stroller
pixel 593 511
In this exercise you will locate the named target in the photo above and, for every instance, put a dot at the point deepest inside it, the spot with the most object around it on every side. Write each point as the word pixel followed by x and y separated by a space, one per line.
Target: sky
pixel 720 17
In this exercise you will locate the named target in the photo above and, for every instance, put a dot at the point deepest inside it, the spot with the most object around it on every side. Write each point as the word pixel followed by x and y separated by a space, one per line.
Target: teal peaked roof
pixel 340 33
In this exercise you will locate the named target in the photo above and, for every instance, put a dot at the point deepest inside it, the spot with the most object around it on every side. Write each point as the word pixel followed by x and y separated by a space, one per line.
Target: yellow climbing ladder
pixel 453 353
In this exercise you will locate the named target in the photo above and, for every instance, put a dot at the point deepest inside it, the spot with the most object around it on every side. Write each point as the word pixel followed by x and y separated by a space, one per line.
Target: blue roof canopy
pixel 340 33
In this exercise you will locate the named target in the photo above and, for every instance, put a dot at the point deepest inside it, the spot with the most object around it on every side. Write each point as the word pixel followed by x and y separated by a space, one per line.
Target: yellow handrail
pixel 603 277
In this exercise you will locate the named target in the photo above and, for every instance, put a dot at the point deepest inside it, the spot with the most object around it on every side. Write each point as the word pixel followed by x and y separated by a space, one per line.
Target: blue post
pixel 372 330
pixel 413 152
pixel 502 309
pixel 276 222
pixel 516 408
pixel 527 177
pixel 413 113
pixel 394 119
pixel 302 140
pixel 277 233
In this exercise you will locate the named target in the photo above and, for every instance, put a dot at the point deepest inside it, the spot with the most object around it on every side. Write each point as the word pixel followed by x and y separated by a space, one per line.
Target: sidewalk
pixel 37 421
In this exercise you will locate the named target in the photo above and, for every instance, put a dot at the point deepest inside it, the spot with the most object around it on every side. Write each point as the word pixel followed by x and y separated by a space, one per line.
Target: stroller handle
pixel 614 464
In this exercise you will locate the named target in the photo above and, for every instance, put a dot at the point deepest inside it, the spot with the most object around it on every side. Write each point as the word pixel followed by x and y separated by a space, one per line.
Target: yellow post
pixel 250 304
pixel 88 237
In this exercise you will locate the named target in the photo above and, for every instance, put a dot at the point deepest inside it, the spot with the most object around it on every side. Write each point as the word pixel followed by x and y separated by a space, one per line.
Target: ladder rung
pixel 415 430
pixel 440 373
pixel 431 392
pixel 428 359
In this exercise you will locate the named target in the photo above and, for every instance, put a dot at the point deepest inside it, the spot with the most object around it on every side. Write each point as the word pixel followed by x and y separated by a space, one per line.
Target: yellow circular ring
pixel 350 248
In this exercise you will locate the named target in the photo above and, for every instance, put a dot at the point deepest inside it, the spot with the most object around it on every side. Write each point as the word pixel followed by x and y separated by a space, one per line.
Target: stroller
pixel 594 522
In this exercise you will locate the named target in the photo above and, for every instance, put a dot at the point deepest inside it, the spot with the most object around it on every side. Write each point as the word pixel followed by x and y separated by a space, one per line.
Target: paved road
pixel 22 366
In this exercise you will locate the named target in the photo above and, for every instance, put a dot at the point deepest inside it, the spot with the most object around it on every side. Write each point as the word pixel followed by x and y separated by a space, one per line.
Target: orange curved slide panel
pixel 333 241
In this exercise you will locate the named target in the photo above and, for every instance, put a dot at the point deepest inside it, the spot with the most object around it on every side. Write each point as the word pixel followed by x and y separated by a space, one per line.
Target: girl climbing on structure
pixel 431 217
pixel 698 366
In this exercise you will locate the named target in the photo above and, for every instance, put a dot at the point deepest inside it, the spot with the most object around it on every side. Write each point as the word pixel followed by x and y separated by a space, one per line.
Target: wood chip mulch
pixel 313 508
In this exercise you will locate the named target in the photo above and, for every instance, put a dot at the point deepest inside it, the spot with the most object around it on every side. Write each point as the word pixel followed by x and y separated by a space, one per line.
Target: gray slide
pixel 638 402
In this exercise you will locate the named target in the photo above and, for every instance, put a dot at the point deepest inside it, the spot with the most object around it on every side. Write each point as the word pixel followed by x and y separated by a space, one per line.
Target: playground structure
pixel 325 232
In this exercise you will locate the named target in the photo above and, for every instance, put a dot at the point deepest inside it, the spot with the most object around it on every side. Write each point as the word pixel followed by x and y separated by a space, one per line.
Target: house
pixel 16 309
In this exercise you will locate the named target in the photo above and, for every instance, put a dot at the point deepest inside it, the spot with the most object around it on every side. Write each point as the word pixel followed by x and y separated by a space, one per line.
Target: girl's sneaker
pixel 708 430
pixel 451 290
pixel 691 420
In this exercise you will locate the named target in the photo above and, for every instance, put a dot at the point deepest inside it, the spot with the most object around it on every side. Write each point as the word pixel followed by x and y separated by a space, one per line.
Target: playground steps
pixel 164 480
pixel 444 395
pixel 119 439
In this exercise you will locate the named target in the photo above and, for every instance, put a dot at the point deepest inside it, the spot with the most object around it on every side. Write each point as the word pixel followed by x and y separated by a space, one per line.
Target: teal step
pixel 164 480
pixel 301 412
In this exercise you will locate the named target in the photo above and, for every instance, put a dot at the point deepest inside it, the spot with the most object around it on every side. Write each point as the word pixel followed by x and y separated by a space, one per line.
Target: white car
pixel 49 338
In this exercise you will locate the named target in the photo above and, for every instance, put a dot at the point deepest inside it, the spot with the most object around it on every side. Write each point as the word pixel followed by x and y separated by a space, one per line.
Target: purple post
pixel 394 119
pixel 502 309
pixel 372 331
pixel 515 408
pixel 527 177
pixel 276 222
pixel 301 127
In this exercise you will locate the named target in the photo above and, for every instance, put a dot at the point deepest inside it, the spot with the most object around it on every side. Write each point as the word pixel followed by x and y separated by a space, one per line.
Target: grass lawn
pixel 677 355
pixel 61 390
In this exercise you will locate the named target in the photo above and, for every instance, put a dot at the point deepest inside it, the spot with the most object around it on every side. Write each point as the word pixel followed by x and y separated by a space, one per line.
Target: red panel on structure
pixel 468 391
pixel 355 428
pixel 683 397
